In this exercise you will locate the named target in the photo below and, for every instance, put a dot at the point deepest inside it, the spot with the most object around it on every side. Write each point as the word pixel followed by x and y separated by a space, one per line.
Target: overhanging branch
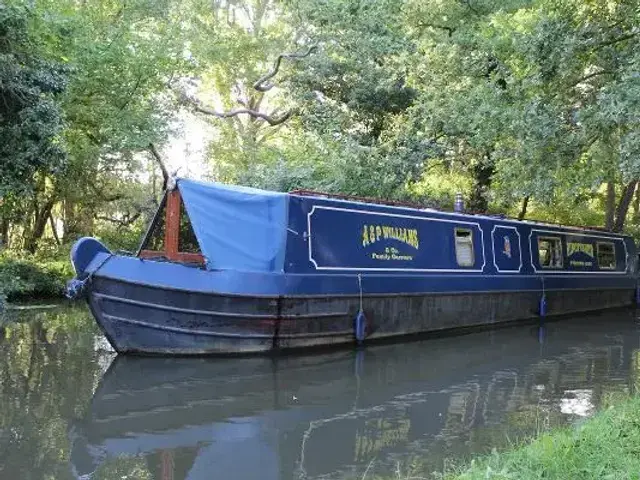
pixel 100 195
pixel 120 222
pixel 613 41
pixel 270 119
pixel 252 105
pixel 158 158
pixel 260 85
pixel 590 75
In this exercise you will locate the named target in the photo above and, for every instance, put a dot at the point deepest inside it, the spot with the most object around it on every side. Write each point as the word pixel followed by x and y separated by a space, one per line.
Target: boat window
pixel 550 252
pixel 187 241
pixel 464 247
pixel 155 241
pixel 606 255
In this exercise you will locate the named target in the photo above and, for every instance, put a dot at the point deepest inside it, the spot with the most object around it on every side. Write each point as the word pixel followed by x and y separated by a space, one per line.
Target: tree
pixel 349 96
pixel 244 40
pixel 118 58
pixel 118 103
pixel 31 120
pixel 528 107
pixel 528 88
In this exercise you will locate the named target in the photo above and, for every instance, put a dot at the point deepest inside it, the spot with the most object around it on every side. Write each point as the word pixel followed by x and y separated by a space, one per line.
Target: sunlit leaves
pixel 31 120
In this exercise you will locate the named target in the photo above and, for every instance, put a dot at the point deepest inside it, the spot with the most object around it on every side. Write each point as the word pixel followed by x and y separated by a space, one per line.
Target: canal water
pixel 71 409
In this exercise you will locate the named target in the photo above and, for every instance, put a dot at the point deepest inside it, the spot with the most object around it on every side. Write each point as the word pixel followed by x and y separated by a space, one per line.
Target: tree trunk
pixel 154 193
pixel 4 232
pixel 52 223
pixel 78 220
pixel 523 210
pixel 68 220
pixel 610 207
pixel 42 216
pixel 482 176
pixel 623 205
pixel 636 207
pixel 155 154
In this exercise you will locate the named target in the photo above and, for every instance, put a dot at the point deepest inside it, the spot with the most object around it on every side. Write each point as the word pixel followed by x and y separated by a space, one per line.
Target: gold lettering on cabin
pixel 575 247
pixel 577 263
pixel 391 253
pixel 374 233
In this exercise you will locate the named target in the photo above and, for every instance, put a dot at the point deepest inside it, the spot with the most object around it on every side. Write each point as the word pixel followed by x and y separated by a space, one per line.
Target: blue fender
pixel 83 252
pixel 542 307
pixel 360 327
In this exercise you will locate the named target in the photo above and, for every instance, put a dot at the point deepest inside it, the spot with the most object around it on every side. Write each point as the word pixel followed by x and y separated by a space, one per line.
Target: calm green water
pixel 70 409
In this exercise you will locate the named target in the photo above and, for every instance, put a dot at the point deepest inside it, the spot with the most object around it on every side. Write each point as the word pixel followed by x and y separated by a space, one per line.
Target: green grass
pixel 604 447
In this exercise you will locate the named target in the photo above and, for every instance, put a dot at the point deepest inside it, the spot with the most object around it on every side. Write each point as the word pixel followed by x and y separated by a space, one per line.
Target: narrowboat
pixel 228 269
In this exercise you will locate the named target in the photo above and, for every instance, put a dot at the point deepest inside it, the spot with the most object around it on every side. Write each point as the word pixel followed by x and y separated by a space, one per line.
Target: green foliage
pixel 349 95
pixel 410 99
pixel 439 185
pixel 125 238
pixel 124 54
pixel 602 447
pixel 30 278
pixel 519 95
pixel 30 115
pixel 517 85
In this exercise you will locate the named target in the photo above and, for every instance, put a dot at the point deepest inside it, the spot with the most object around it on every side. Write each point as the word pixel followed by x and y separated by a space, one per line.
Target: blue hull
pixel 160 317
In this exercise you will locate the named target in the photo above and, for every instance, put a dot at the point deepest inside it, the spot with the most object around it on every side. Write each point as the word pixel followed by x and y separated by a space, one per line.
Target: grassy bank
pixel 25 277
pixel 606 446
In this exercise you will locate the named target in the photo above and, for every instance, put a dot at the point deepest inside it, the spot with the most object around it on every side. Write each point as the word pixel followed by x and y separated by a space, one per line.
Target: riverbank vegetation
pixel 528 108
pixel 605 446
pixel 33 277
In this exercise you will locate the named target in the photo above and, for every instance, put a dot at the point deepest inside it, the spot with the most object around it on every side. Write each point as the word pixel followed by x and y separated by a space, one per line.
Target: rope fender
pixel 360 322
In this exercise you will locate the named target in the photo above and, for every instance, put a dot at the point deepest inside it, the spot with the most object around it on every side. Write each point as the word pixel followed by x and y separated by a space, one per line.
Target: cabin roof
pixel 212 204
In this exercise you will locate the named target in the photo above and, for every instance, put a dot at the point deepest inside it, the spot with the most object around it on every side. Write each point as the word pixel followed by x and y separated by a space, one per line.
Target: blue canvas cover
pixel 238 228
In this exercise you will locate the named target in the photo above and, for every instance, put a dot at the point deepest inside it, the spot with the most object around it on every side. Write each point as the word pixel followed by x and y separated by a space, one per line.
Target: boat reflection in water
pixel 330 415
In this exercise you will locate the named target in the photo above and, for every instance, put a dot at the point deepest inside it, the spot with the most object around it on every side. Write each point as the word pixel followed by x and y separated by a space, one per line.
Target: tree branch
pixel 131 93
pixel 260 83
pixel 271 120
pixel 99 194
pixel 616 40
pixel 623 205
pixel 252 105
pixel 112 198
pixel 589 76
pixel 158 158
pixel 450 30
pixel 125 222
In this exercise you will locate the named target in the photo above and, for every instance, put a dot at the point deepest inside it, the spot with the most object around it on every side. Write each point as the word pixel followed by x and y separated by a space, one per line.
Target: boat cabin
pixel 221 227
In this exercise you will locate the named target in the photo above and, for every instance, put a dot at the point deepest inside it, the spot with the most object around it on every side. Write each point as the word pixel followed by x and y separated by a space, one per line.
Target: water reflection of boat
pixel 306 416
